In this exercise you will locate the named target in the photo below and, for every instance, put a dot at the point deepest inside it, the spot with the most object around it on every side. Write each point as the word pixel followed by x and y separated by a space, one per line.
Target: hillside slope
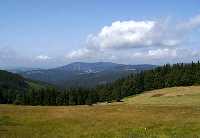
pixel 168 96
pixel 165 113
pixel 12 81
pixel 15 82
pixel 14 88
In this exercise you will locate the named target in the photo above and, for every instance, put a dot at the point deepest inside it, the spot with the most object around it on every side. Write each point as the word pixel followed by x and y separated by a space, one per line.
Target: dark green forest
pixel 15 90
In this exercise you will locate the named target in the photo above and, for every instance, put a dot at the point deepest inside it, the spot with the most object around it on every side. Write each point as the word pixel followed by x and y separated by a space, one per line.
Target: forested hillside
pixel 14 88
pixel 81 74
pixel 160 77
pixel 12 81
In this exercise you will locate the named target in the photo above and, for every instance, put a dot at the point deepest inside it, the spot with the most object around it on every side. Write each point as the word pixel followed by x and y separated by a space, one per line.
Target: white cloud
pixel 162 53
pixel 140 41
pixel 152 54
pixel 128 36
pixel 133 34
pixel 86 54
pixel 43 57
pixel 80 53
pixel 159 56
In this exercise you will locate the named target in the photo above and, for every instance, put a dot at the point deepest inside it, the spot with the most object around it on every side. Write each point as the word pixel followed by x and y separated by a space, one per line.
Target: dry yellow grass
pixel 168 96
pixel 131 119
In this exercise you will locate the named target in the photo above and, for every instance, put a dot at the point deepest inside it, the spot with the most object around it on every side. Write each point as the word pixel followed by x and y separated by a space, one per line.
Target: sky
pixel 51 33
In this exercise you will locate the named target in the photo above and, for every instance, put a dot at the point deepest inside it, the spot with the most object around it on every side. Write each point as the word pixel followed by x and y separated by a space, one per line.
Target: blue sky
pixel 49 33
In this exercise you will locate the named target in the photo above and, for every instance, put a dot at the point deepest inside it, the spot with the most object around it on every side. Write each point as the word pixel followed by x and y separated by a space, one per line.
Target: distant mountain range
pixel 80 74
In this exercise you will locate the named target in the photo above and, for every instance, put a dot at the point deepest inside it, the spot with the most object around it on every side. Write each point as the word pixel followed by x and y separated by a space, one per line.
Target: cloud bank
pixel 141 41
pixel 133 34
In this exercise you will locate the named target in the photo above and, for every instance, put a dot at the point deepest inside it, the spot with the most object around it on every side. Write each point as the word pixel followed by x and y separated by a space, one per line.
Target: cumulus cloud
pixel 133 34
pixel 89 55
pixel 157 56
pixel 162 53
pixel 80 53
pixel 140 41
pixel 43 57
pixel 147 55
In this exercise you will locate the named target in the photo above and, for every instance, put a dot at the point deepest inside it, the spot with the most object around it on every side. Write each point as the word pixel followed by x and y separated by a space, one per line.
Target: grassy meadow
pixel 167 113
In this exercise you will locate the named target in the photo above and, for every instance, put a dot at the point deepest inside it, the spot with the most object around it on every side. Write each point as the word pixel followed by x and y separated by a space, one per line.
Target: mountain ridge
pixel 83 74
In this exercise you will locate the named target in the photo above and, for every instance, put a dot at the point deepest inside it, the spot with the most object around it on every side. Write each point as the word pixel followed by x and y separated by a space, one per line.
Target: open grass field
pixel 188 96
pixel 166 113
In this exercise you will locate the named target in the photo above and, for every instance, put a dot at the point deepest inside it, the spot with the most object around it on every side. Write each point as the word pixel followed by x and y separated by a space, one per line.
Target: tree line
pixel 160 77
pixel 48 96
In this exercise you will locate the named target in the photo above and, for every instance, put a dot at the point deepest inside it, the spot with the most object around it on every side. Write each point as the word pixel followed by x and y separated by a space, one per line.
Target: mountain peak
pixel 88 67
pixel 84 74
